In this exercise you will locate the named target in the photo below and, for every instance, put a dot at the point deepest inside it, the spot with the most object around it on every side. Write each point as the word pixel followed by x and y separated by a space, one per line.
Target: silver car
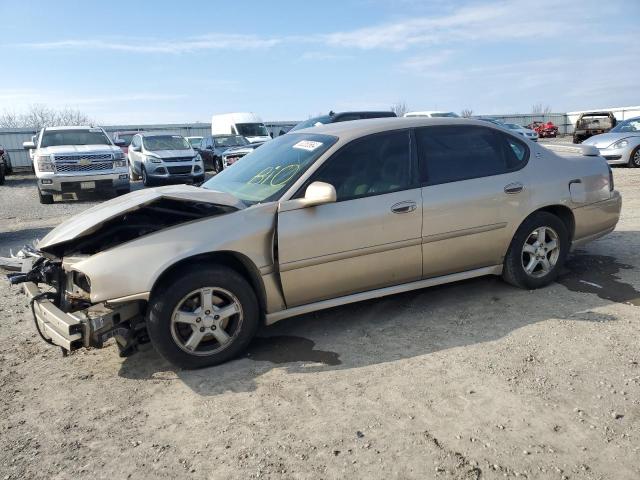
pixel 161 157
pixel 318 218
pixel 520 130
pixel 621 145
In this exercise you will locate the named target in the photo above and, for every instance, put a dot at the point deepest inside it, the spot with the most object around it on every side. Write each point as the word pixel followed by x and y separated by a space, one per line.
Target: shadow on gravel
pixel 17 239
pixel 403 326
pixel 597 274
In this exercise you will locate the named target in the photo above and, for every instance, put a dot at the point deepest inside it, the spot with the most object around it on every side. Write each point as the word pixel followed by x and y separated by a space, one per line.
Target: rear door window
pixel 454 153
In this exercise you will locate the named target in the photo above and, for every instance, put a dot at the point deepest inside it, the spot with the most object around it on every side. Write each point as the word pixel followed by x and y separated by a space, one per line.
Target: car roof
pixel 428 112
pixel 127 132
pixel 156 134
pixel 359 128
pixel 76 127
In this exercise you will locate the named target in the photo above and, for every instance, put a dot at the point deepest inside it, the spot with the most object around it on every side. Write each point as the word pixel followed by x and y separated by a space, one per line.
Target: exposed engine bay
pixel 153 217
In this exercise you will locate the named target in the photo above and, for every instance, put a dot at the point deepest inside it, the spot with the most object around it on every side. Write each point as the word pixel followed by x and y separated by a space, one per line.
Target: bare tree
pixel 539 109
pixel 39 116
pixel 399 108
pixel 466 113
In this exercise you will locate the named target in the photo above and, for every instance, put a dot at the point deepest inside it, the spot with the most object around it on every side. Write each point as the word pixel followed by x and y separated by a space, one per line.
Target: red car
pixel 543 129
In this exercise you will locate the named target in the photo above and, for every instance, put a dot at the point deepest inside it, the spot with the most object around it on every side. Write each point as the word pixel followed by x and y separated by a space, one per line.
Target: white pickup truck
pixel 77 159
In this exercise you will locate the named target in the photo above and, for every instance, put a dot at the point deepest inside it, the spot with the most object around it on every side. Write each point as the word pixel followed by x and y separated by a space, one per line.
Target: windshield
pixel 445 114
pixel 312 122
pixel 165 142
pixel 126 137
pixel 631 125
pixel 252 129
pixel 92 136
pixel 195 141
pixel 270 170
pixel 513 126
pixel 231 141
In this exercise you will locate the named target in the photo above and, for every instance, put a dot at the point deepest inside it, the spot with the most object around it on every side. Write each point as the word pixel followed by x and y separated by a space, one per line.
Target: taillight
pixel 610 178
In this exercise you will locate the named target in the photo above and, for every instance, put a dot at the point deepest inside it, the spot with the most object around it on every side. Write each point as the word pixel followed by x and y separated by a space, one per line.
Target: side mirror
pixel 119 141
pixel 136 149
pixel 319 193
pixel 28 145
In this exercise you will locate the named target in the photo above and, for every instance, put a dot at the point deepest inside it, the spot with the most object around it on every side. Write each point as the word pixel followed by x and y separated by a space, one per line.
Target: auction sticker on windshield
pixel 308 145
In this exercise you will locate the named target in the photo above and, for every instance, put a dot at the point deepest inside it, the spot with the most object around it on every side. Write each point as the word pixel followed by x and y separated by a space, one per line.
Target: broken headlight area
pixel 64 316
pixel 158 215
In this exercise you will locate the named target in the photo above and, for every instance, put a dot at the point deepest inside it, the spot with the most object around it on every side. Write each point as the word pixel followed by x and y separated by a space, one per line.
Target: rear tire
pixel 531 262
pixel 45 198
pixel 190 334
pixel 2 175
pixel 634 158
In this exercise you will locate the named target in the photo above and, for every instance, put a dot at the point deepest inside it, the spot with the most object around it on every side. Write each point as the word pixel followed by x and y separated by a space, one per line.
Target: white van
pixel 247 124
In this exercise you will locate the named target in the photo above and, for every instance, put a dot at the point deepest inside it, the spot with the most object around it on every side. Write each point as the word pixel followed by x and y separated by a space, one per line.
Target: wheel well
pixel 563 213
pixel 233 260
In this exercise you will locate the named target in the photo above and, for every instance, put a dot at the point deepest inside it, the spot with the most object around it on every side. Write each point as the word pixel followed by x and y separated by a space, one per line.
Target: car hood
pixel 243 149
pixel 92 219
pixel 77 149
pixel 261 139
pixel 605 139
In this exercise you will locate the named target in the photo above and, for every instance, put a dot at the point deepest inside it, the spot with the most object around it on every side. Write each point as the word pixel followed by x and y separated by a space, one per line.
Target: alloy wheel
pixel 206 321
pixel 540 252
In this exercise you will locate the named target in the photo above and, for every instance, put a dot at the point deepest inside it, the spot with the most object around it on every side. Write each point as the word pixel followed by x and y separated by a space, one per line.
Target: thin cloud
pixel 481 22
pixel 146 45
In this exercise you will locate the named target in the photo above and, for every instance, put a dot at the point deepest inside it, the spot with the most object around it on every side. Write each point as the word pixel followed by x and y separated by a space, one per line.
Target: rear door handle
pixel 513 188
pixel 404 207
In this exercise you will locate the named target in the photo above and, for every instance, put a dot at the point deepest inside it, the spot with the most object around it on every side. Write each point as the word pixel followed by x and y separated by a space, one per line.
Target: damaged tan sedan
pixel 312 220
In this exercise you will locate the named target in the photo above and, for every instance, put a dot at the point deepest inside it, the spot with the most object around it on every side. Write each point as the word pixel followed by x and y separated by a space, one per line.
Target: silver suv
pixel 77 159
pixel 162 156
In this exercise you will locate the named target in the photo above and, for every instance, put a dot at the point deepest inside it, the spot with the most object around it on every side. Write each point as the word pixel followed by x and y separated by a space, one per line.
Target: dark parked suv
pixel 333 117
pixel 212 147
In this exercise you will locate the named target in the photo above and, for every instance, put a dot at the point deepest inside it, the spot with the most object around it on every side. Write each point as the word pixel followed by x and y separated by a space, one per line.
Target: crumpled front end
pixel 64 316
pixel 72 313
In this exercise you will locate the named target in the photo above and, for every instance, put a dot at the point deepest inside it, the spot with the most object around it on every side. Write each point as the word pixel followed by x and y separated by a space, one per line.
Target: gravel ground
pixel 471 380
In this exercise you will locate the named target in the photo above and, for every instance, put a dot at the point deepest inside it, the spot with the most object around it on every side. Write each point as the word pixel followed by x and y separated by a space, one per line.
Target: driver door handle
pixel 513 188
pixel 404 207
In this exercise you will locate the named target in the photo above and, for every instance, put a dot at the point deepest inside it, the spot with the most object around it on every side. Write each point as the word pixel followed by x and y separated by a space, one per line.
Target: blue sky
pixel 170 61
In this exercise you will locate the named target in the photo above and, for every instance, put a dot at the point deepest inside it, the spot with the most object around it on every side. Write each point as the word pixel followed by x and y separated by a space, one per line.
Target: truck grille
pixel 179 170
pixel 74 167
pixel 80 156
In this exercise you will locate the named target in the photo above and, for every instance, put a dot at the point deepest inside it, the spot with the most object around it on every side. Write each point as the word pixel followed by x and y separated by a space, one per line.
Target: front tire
pixel 146 181
pixel 205 316
pixel 634 158
pixel 45 198
pixel 132 174
pixel 537 252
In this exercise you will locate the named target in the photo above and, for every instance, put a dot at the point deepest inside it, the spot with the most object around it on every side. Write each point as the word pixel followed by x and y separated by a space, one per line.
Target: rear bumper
pixel 596 220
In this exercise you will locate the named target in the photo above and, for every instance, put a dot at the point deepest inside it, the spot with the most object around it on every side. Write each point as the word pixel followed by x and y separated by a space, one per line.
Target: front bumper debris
pixel 82 326
pixel 91 327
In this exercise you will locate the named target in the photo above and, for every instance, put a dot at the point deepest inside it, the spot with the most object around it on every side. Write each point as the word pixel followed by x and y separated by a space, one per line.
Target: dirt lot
pixel 471 380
